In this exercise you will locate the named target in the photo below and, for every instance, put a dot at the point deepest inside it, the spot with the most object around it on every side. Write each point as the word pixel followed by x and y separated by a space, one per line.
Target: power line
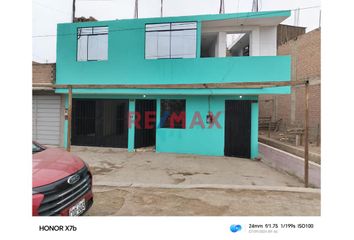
pixel 49 7
pixel 255 6
pixel 136 9
pixel 140 28
pixel 260 5
pixel 222 7
pixel 296 17
pixel 304 8
pixel 161 9
pixel 238 5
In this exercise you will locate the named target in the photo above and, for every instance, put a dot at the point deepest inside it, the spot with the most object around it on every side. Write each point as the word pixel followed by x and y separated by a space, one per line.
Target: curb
pixel 210 186
pixel 313 157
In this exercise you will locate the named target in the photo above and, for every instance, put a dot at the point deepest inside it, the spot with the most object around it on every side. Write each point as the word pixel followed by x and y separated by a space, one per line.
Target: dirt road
pixel 202 202
pixel 113 167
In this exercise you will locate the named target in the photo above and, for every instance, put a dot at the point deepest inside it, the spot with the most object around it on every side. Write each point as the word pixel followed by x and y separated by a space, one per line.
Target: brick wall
pixel 286 33
pixel 314 108
pixel 306 63
pixel 306 54
pixel 43 73
pixel 266 101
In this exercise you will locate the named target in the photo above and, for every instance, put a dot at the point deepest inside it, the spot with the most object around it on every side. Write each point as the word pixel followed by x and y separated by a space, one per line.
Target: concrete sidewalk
pixel 117 167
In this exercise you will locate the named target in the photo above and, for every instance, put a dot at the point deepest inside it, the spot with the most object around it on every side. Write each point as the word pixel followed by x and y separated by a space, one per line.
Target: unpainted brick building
pixel 306 64
pixel 43 73
pixel 47 107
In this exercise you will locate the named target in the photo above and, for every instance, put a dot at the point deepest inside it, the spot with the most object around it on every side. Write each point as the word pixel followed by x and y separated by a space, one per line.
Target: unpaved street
pixel 116 167
pixel 201 202
pixel 162 184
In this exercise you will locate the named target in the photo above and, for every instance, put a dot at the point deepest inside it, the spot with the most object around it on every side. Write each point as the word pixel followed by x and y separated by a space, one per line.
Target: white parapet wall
pixel 290 163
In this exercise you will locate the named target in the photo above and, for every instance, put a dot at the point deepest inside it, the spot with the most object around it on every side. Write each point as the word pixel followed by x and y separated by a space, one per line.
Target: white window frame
pixel 92 32
pixel 169 28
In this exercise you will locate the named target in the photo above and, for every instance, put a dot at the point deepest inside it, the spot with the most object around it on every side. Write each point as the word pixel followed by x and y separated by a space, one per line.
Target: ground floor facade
pixel 216 125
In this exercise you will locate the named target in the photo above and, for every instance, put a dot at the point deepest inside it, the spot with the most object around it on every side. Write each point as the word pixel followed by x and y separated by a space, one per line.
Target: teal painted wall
pixel 131 130
pixel 126 63
pixel 196 140
pixel 204 141
pixel 254 130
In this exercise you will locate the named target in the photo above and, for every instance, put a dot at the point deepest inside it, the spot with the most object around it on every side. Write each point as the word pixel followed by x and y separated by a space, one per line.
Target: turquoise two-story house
pixel 199 50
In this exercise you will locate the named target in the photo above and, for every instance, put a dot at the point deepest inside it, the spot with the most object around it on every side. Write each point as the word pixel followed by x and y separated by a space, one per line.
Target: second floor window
pixel 92 44
pixel 171 40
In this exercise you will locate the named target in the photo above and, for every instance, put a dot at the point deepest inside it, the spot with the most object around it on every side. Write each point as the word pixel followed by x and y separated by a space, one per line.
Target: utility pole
pixel 296 17
pixel 69 117
pixel 306 150
pixel 222 7
pixel 255 6
pixel 161 10
pixel 73 17
pixel 136 10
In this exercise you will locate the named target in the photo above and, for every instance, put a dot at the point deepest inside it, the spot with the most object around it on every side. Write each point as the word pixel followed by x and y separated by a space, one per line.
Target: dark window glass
pixel 92 44
pixel 171 40
pixel 173 113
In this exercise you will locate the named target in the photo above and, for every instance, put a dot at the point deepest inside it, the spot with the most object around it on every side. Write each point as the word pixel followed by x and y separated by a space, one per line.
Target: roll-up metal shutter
pixel 46 118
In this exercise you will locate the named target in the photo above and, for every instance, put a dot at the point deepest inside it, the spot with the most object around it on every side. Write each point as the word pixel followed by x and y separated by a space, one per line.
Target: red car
pixel 61 183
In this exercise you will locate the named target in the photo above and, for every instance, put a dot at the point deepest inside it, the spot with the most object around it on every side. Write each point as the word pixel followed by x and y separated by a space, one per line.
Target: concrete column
pixel 157 138
pixel 254 130
pixel 62 119
pixel 293 77
pixel 199 39
pixel 65 127
pixel 221 45
pixel 275 105
pixel 255 42
pixel 293 106
pixel 131 129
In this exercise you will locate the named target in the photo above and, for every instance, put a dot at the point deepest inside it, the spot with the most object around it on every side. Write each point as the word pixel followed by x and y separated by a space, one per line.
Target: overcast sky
pixel 47 13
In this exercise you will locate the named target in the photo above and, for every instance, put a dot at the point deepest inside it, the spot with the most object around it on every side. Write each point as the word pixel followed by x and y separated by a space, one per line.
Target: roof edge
pixel 203 17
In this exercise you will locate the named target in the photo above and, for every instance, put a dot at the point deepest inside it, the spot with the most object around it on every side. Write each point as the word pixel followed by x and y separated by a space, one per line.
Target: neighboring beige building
pixel 47 107
pixel 306 64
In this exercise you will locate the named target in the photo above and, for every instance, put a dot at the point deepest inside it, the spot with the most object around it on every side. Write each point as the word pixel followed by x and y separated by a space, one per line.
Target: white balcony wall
pixel 262 39
pixel 220 50
pixel 268 41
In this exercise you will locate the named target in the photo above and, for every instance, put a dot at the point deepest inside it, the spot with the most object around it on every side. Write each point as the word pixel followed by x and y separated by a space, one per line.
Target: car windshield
pixel 36 148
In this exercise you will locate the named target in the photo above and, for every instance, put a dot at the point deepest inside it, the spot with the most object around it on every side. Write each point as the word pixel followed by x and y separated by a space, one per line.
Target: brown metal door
pixel 145 135
pixel 237 128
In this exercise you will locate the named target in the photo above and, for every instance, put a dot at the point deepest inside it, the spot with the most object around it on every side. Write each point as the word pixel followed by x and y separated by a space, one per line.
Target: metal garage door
pixel 100 122
pixel 46 113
